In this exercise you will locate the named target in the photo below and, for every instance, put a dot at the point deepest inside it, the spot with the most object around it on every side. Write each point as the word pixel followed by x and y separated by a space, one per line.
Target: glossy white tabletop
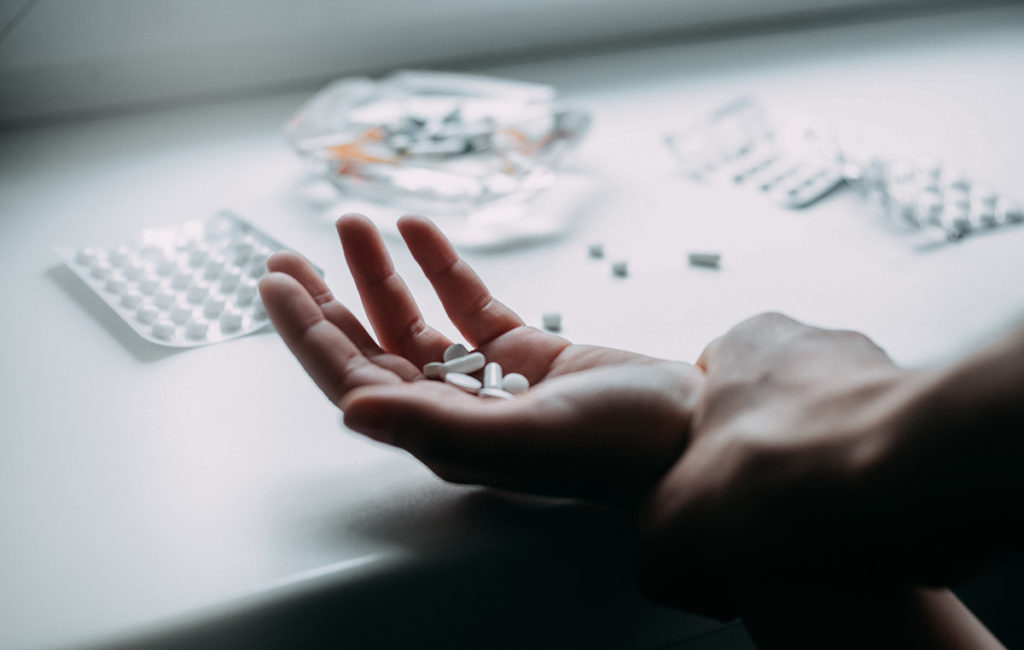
pixel 147 489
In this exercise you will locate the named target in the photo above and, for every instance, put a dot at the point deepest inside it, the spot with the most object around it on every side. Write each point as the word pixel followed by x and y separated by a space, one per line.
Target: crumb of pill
pixel 620 268
pixel 596 251
pixel 552 321
pixel 709 260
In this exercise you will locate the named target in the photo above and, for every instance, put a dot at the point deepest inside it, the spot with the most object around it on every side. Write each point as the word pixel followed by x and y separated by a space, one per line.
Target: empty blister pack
pixel 184 286
pixel 788 157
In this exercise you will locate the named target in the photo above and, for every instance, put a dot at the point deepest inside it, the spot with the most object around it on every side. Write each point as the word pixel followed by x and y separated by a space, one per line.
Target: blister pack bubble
pixel 183 286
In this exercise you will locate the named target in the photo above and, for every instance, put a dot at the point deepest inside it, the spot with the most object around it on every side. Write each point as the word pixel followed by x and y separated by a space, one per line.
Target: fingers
pixel 390 307
pixel 334 362
pixel 470 306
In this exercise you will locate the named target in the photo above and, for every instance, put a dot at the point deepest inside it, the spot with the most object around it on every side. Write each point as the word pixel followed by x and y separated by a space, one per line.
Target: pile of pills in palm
pixel 185 286
pixel 458 365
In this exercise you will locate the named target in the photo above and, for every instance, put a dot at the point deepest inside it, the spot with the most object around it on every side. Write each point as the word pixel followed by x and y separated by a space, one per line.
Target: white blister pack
pixel 183 286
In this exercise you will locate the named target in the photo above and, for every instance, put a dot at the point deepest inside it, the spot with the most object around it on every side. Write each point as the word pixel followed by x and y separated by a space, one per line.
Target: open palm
pixel 597 422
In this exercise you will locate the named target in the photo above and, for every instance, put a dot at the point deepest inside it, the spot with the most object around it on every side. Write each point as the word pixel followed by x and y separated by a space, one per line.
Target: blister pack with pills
pixel 789 158
pixel 185 286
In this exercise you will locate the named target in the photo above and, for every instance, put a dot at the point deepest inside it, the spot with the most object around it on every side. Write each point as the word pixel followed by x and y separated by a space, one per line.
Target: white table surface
pixel 147 491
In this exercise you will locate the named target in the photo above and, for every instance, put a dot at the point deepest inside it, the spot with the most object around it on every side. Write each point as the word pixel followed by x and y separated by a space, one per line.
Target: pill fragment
pixel 163 329
pixel 706 259
pixel 433 370
pixel 463 381
pixel 147 314
pixel 596 251
pixel 620 268
pixel 196 328
pixel 515 383
pixel 552 321
pixel 495 393
pixel 469 363
pixel 492 375
pixel 455 351
pixel 231 320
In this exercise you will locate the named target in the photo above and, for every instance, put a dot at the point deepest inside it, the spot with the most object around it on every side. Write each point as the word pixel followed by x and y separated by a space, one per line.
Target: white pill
pixel 552 321
pixel 495 393
pixel 434 370
pixel 213 305
pixel 470 363
pixel 118 256
pixel 163 329
pixel 242 251
pixel 620 268
pixel 229 280
pixel 133 270
pixel 231 320
pixel 198 291
pixel 147 314
pixel 131 298
pixel 246 292
pixel 164 298
pixel 181 313
pixel 705 259
pixel 181 279
pixel 259 311
pixel 213 267
pixel 115 284
pixel 196 328
pixel 148 285
pixel 515 383
pixel 165 266
pixel 258 266
pixel 492 375
pixel 99 270
pixel 463 381
pixel 596 251
pixel 454 351
pixel 197 256
pixel 86 256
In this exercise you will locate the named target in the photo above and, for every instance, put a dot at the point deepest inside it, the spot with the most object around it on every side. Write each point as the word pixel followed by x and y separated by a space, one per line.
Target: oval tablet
pixel 465 382
pixel 470 363
pixel 515 383
pixel 455 351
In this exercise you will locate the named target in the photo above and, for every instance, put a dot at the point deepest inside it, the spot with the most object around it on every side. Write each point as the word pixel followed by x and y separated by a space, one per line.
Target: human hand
pixel 778 483
pixel 596 422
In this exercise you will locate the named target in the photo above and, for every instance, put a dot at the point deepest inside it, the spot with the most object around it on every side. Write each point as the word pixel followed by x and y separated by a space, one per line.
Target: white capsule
pixel 243 250
pixel 163 329
pixel 164 298
pixel 492 375
pixel 495 393
pixel 133 270
pixel 230 320
pixel 515 383
pixel 463 381
pixel 196 328
pixel 710 260
pixel 620 268
pixel 197 256
pixel 552 321
pixel 229 280
pixel 596 251
pixel 181 279
pixel 454 351
pixel 434 370
pixel 131 298
pixel 86 256
pixel 165 266
pixel 246 292
pixel 470 363
pixel 181 313
pixel 147 313
pixel 213 305
pixel 198 291
pixel 213 267
pixel 115 284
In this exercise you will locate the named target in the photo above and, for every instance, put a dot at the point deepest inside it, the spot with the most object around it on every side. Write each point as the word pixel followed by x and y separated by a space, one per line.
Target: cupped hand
pixel 596 422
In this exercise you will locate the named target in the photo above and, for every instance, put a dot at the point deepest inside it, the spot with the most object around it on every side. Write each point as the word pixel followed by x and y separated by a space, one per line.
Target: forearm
pixel 841 616
pixel 951 480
